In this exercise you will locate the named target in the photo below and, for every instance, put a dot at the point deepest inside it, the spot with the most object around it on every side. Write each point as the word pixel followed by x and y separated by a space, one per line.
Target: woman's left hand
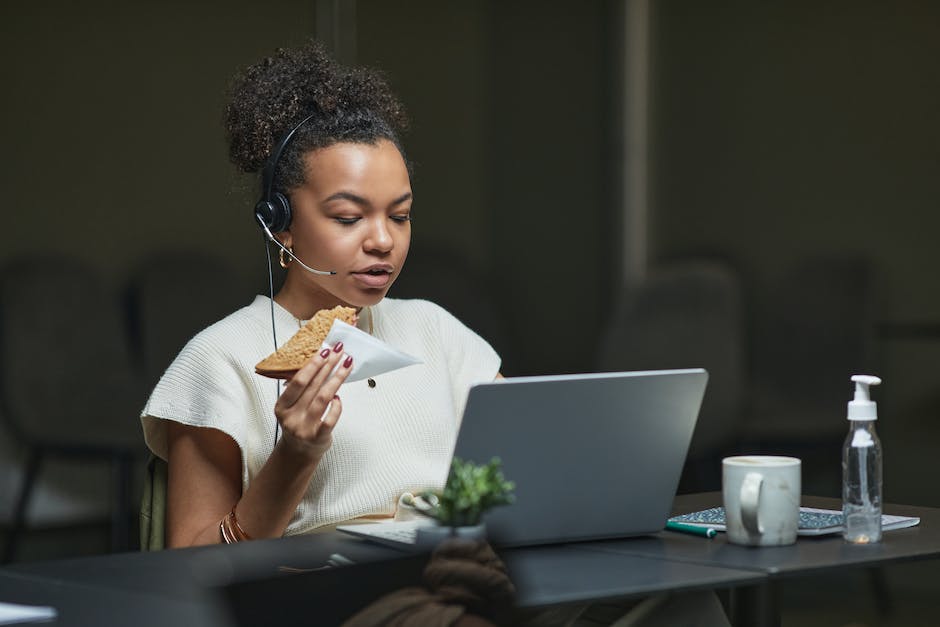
pixel 309 407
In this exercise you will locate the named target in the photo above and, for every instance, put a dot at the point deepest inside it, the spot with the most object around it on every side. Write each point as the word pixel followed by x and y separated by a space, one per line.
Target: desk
pixel 809 556
pixel 552 575
pixel 174 587
pixel 88 605
pixel 180 587
pixel 543 577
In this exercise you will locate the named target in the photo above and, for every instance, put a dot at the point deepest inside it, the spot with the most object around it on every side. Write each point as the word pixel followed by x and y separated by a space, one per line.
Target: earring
pixel 281 258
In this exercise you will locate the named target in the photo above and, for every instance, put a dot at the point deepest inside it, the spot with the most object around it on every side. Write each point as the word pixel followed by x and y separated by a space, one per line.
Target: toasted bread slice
pixel 293 354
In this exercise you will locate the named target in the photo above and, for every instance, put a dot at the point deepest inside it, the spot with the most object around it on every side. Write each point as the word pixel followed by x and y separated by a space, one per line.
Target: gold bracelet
pixel 223 532
pixel 230 531
pixel 241 533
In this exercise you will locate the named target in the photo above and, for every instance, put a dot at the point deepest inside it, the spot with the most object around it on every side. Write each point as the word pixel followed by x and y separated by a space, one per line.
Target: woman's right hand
pixel 302 409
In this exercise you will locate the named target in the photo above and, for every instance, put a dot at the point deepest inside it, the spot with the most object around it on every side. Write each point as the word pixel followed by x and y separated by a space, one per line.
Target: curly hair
pixel 271 97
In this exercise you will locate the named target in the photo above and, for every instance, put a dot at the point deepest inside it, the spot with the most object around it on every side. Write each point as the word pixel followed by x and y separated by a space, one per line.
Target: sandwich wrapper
pixel 371 357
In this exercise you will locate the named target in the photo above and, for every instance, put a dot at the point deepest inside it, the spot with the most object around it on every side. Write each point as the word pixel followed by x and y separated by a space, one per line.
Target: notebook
pixel 592 456
pixel 812 521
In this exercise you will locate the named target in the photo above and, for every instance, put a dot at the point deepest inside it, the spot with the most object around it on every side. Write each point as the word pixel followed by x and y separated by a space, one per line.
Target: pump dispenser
pixel 861 467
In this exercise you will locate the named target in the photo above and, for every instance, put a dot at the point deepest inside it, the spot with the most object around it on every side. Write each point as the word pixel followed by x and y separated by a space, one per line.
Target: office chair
pixel 816 330
pixel 173 295
pixel 687 314
pixel 67 388
pixel 446 278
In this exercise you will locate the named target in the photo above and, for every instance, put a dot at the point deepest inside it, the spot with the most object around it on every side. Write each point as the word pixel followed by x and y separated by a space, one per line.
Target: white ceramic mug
pixel 761 498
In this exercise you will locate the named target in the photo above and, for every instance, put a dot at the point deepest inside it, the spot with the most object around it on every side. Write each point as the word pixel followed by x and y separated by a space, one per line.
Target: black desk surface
pixel 182 587
pixel 174 587
pixel 543 576
pixel 182 573
pixel 87 605
pixel 278 579
pixel 551 575
pixel 810 555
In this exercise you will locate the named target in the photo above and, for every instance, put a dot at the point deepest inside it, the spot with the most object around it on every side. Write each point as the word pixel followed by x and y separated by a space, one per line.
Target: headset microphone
pixel 271 237
pixel 273 210
pixel 273 213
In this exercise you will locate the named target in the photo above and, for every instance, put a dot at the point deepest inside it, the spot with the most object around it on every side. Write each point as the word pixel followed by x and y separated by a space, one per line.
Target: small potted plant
pixel 470 492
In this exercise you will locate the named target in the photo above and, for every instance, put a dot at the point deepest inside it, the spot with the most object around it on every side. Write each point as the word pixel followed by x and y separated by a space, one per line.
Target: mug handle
pixel 750 498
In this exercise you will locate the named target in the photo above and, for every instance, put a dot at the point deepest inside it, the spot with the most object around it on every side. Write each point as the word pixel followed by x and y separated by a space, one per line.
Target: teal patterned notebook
pixel 813 521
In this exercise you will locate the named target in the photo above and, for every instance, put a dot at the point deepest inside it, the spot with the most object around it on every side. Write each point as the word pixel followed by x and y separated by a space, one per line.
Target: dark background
pixel 779 133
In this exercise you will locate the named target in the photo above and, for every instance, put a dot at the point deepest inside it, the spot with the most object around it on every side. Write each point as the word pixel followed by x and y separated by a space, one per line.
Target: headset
pixel 273 211
pixel 273 214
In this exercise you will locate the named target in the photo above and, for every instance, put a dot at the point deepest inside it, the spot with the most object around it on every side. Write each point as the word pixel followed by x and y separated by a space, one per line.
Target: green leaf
pixel 471 490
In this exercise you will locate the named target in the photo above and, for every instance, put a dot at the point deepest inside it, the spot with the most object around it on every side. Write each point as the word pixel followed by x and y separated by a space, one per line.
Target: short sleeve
pixel 203 387
pixel 470 358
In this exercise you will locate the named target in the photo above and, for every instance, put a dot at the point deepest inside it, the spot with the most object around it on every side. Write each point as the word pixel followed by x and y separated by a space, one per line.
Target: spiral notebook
pixel 813 521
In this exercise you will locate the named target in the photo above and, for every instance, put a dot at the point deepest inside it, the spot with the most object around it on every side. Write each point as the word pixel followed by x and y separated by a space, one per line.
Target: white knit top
pixel 396 437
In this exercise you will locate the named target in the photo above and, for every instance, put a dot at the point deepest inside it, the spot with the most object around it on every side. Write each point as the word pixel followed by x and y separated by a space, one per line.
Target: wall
pixel 791 128
pixel 786 130
pixel 509 106
pixel 116 126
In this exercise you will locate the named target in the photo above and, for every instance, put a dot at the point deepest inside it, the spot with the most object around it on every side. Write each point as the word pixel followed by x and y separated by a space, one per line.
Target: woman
pixel 250 459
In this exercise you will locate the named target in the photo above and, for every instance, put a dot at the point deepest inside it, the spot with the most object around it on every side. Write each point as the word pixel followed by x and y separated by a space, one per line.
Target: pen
pixel 705 532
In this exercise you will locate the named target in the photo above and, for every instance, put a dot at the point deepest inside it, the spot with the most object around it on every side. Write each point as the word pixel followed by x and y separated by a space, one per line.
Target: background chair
pixel 443 277
pixel 815 330
pixel 67 386
pixel 172 296
pixel 688 314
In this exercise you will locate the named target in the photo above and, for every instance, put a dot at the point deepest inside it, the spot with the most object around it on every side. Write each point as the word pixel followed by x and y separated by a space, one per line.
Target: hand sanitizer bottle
pixel 861 468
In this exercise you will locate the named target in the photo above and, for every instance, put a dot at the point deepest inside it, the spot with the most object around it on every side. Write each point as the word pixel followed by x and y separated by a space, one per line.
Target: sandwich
pixel 293 354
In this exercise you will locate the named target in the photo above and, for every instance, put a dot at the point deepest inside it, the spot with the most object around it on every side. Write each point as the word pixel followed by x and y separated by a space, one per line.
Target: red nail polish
pixel 338 347
pixel 325 353
pixel 336 397
pixel 348 362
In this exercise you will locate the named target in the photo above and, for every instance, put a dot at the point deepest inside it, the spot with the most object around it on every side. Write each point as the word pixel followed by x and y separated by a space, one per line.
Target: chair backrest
pixel 153 506
pixel 686 314
pixel 446 278
pixel 174 295
pixel 65 369
pixel 816 329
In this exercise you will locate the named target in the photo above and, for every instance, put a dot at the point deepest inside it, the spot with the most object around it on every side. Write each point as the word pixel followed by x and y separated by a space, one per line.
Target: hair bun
pixel 270 97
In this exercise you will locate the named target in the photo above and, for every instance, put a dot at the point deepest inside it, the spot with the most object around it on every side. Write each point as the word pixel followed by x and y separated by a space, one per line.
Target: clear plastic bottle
pixel 861 468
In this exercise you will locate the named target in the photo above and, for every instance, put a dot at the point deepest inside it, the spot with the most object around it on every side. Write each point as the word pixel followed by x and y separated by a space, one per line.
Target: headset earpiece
pixel 273 210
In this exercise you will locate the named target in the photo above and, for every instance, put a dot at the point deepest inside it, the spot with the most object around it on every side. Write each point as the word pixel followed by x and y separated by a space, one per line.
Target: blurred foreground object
pixel 465 583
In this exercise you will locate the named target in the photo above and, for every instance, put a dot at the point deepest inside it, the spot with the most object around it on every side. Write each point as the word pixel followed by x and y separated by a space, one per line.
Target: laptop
pixel 593 456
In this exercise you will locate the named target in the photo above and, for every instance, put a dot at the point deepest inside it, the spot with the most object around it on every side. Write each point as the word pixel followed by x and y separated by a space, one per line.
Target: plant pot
pixel 430 536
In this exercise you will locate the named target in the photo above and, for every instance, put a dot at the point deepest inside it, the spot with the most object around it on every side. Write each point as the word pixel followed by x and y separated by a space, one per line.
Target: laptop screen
pixel 592 455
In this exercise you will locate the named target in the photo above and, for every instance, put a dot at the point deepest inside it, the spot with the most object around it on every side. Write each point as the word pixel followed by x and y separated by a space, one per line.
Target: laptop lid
pixel 592 455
